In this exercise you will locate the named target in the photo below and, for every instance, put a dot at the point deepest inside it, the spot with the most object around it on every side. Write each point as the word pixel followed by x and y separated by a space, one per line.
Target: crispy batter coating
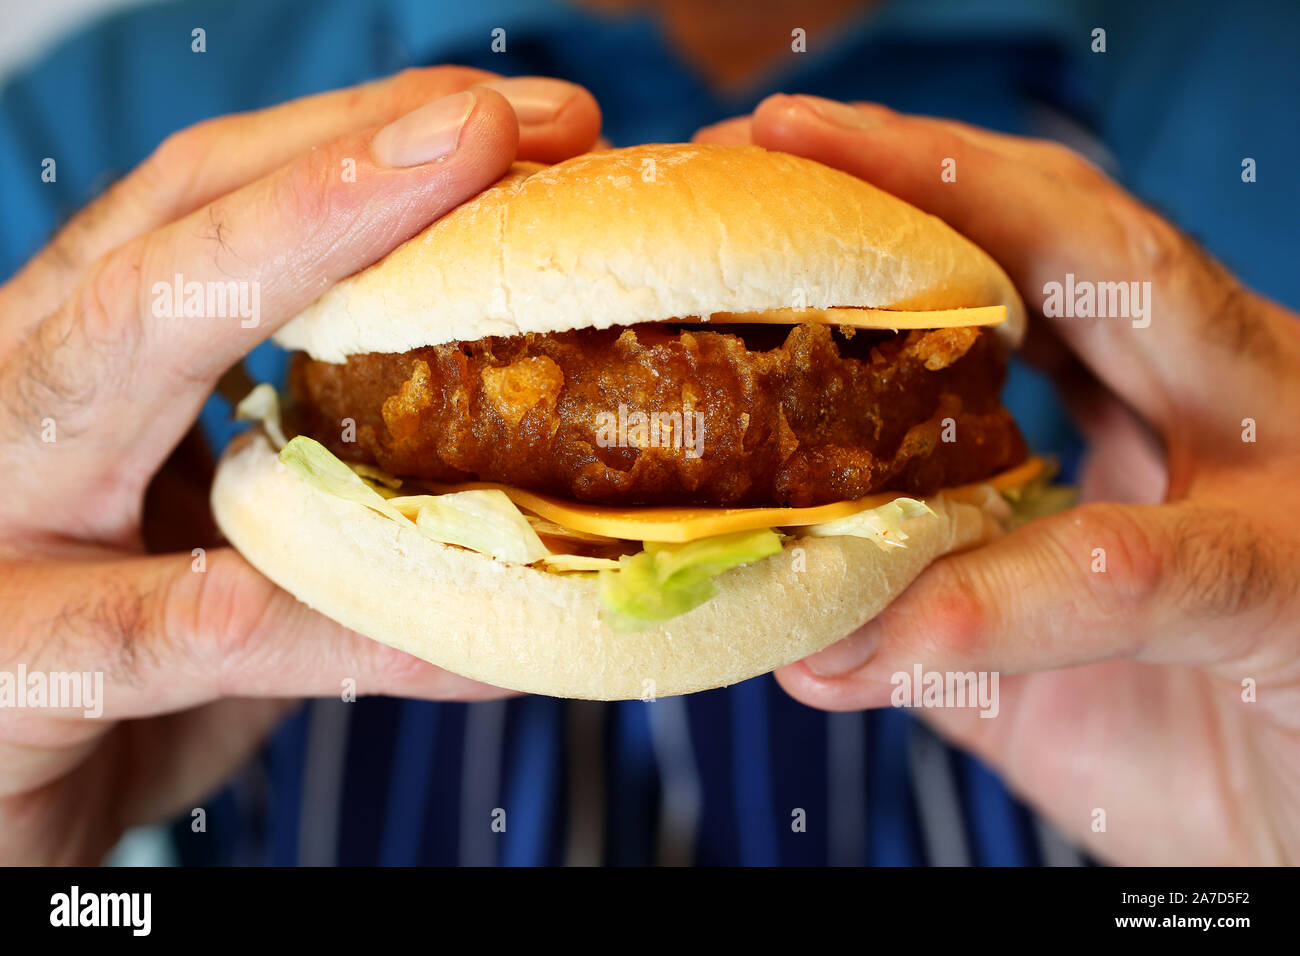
pixel 676 415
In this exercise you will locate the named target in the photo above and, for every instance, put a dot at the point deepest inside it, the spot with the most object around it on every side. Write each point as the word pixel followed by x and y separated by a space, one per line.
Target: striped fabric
pixel 742 776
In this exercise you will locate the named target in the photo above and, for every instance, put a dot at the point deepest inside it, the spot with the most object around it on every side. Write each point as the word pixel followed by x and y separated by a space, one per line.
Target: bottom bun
pixel 545 633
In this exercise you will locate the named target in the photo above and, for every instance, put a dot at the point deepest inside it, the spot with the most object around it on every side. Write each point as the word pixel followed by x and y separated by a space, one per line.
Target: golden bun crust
pixel 533 631
pixel 647 234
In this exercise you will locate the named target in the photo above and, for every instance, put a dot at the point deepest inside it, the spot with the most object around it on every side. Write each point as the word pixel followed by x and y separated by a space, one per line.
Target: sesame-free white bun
pixel 546 633
pixel 649 234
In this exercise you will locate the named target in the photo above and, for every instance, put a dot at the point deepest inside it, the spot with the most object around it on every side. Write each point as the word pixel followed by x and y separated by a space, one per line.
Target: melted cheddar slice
pixel 678 525
pixel 870 318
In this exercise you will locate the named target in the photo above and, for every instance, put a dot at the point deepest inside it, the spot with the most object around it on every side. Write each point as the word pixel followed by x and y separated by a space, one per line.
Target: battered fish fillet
pixel 753 415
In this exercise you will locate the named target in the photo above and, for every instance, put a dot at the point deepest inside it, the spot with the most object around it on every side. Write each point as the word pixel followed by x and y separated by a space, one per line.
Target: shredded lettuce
pixel 484 521
pixel 315 464
pixel 882 525
pixel 1039 497
pixel 656 584
pixel 262 404
pixel 665 580
pixel 653 585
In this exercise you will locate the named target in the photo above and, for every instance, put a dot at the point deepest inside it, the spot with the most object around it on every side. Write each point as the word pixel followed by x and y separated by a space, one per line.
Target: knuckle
pixel 88 346
pixel 415 86
pixel 950 144
pixel 1222 310
pixel 1132 556
pixel 1070 163
pixel 955 620
pixel 219 616
pixel 400 92
pixel 1154 244
pixel 74 245
pixel 306 189
pixel 108 302
pixel 454 77
pixel 169 172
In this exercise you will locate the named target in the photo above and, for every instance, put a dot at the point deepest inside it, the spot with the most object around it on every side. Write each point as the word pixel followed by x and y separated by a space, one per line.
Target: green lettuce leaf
pixel 882 525
pixel 666 580
pixel 262 404
pixel 484 521
pixel 315 464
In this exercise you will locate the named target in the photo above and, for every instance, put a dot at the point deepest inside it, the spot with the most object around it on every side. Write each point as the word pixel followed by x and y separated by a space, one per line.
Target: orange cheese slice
pixel 870 318
pixel 678 525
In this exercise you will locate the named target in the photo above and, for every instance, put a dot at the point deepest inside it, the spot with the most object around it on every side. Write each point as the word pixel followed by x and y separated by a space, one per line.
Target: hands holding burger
pixel 1131 680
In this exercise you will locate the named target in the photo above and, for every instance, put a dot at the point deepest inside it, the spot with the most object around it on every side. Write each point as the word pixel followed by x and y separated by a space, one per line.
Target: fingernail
pixel 847 655
pixel 535 99
pixel 424 135
pixel 840 114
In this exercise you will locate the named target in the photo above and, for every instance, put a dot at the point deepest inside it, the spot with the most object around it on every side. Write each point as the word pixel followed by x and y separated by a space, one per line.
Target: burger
pixel 642 423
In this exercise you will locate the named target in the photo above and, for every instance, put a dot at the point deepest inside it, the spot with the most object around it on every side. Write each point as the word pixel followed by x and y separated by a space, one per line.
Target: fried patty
pixel 675 415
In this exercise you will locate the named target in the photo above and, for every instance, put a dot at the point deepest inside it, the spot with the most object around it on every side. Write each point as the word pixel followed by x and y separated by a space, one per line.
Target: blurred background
pixel 31 28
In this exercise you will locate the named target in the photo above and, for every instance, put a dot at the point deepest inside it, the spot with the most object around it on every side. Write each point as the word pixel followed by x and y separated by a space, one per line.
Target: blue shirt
pixel 722 777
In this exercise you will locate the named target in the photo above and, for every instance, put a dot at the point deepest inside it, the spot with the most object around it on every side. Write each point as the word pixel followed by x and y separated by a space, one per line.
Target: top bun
pixel 649 234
